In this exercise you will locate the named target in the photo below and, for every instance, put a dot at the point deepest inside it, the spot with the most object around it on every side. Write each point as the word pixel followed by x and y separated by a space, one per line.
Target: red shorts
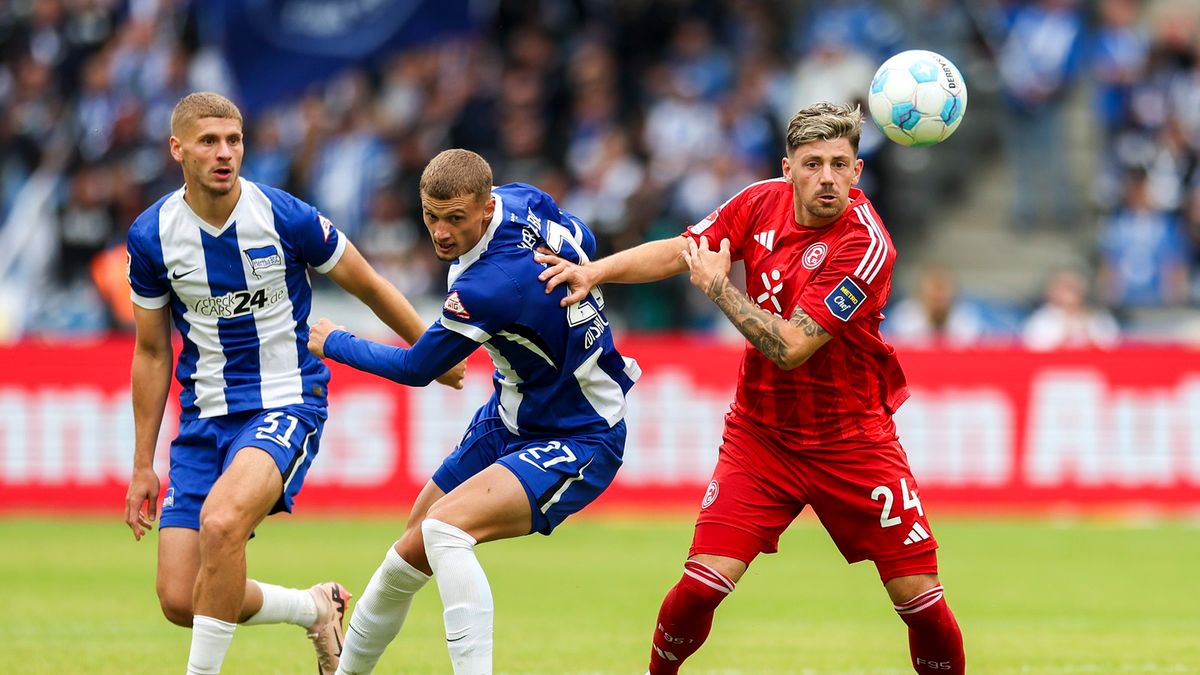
pixel 866 498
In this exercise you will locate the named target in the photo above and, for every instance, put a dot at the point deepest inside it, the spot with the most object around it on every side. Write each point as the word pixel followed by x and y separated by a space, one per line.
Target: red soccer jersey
pixel 840 275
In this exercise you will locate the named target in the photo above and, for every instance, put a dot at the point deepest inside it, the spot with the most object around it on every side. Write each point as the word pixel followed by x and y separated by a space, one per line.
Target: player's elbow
pixel 413 379
pixel 793 357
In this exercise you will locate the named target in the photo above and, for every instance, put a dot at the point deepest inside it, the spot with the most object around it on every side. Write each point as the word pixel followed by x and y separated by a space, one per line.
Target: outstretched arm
pixel 651 261
pixel 415 366
pixel 787 343
pixel 355 275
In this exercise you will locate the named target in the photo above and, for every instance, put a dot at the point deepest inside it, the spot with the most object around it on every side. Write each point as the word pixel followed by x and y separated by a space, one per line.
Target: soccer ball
pixel 917 98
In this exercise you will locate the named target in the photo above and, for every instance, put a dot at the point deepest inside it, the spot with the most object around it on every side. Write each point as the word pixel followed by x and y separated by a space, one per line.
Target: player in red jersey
pixel 811 423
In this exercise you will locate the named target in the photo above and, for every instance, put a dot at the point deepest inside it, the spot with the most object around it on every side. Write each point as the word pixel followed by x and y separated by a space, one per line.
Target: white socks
pixel 379 613
pixel 284 605
pixel 210 641
pixel 211 637
pixel 466 596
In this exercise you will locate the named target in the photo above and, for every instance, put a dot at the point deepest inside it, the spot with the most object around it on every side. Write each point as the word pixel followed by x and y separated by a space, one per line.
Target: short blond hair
pixel 199 105
pixel 454 173
pixel 825 122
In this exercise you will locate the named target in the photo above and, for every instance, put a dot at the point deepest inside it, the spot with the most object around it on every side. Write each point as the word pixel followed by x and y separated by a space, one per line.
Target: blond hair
pixel 199 105
pixel 454 173
pixel 825 122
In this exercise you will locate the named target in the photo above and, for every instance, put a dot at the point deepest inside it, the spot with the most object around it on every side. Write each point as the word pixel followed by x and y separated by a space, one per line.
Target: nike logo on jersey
pixel 766 239
pixel 180 275
pixel 916 534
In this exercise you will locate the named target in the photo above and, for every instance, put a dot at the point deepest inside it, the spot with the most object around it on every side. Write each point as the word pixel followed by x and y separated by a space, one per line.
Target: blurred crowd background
pixel 1064 212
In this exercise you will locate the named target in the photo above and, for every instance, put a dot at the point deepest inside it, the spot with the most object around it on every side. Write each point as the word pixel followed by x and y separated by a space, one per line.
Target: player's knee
pixel 438 534
pixel 221 528
pixel 176 606
pixel 905 588
pixel 411 547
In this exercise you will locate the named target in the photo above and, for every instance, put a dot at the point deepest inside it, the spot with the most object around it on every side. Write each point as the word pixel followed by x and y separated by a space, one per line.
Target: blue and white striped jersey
pixel 557 369
pixel 239 295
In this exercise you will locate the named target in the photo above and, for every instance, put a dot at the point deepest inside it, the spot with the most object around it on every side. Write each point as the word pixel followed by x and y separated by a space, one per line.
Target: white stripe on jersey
pixel 632 370
pixel 183 248
pixel 465 329
pixel 279 362
pixel 877 252
pixel 149 303
pixel 524 342
pixel 600 389
pixel 510 394
pixel 324 267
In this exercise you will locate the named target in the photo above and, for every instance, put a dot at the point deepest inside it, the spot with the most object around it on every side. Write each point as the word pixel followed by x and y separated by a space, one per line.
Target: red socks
pixel 686 616
pixel 934 639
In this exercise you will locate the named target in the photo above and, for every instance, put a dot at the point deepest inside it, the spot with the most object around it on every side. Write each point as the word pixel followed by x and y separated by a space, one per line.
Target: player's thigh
pixel 488 506
pixel 868 501
pixel 178 565
pixel 272 453
pixel 244 494
pixel 561 476
pixel 747 505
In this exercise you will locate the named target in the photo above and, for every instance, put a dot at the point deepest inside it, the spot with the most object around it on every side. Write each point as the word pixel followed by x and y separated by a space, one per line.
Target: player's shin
pixel 934 639
pixel 686 616
pixel 210 641
pixel 466 596
pixel 380 612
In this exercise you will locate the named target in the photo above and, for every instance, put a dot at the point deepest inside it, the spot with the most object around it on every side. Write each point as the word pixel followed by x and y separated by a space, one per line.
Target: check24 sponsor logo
pixel 237 303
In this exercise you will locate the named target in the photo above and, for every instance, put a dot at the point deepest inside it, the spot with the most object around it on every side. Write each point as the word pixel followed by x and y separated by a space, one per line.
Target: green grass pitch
pixel 1032 596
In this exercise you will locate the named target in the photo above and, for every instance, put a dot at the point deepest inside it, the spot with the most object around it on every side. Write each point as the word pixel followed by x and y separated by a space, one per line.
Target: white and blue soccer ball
pixel 917 98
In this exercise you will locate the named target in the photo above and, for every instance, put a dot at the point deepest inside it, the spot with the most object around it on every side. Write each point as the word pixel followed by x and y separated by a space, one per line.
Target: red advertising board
pixel 994 429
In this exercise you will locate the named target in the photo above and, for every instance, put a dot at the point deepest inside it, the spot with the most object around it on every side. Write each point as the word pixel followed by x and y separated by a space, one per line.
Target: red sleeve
pixel 853 284
pixel 729 221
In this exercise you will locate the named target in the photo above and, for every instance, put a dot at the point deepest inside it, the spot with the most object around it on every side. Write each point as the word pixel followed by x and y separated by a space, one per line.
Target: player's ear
pixel 787 169
pixel 176 148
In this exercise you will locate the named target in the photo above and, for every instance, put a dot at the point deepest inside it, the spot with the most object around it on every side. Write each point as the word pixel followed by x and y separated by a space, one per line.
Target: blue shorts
pixel 204 448
pixel 560 475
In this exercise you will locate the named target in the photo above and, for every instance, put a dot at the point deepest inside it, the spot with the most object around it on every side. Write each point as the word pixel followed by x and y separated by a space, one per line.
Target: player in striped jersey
pixel 548 441
pixel 811 423
pixel 226 260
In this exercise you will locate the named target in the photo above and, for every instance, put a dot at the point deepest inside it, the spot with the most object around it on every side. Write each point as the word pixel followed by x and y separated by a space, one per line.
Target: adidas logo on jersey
pixel 916 534
pixel 454 305
pixel 766 239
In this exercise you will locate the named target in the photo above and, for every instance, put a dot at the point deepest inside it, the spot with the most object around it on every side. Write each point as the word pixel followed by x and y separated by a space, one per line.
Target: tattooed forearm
pixel 759 326
pixel 802 320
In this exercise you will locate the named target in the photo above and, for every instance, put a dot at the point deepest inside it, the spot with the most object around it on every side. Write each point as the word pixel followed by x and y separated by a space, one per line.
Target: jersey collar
pixel 467 259
pixel 204 224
